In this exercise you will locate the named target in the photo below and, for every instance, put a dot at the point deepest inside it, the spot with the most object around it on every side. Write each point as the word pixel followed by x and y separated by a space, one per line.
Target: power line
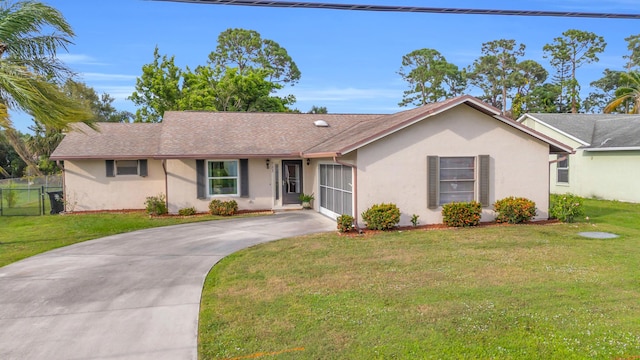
pixel 407 9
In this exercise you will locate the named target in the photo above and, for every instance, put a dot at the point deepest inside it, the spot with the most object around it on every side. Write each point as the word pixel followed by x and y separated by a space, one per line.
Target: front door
pixel 291 181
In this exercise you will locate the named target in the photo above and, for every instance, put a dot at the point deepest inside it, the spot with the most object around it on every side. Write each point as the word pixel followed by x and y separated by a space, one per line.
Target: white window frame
pixel 562 168
pixel 442 183
pixel 209 177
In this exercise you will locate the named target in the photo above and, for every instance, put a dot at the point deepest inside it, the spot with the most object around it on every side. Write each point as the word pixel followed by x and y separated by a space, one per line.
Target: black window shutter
pixel 110 164
pixel 244 177
pixel 432 182
pixel 484 180
pixel 201 179
pixel 143 167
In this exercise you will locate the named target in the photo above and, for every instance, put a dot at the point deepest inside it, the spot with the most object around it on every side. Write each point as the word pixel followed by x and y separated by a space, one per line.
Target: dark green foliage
pixel 461 214
pixel 156 205
pixel 187 211
pixel 566 207
pixel 345 223
pixel 514 210
pixel 223 208
pixel 381 216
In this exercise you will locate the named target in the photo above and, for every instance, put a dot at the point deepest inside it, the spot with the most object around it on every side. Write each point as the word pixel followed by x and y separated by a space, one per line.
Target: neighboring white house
pixel 460 149
pixel 606 163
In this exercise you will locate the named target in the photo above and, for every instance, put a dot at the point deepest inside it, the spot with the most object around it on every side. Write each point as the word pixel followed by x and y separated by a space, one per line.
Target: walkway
pixel 128 296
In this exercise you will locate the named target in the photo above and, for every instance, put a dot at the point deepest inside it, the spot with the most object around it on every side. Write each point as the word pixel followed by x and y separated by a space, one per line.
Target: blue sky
pixel 349 60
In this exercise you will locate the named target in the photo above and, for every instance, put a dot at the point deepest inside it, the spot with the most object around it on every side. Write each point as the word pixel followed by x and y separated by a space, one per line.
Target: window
pixel 563 169
pixel 457 179
pixel 126 167
pixel 336 189
pixel 222 177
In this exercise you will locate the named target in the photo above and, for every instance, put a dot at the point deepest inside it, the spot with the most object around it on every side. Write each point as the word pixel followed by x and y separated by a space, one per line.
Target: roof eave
pixel 522 118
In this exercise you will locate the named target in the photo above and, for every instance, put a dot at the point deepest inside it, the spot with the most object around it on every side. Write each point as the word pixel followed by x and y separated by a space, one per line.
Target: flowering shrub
pixel 156 205
pixel 381 216
pixel 224 208
pixel 461 214
pixel 514 210
pixel 187 211
pixel 566 207
pixel 345 223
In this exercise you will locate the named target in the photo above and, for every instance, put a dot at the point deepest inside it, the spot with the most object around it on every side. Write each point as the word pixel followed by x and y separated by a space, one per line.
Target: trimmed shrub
pixel 223 208
pixel 566 207
pixel 345 223
pixel 460 214
pixel 187 211
pixel 381 216
pixel 514 210
pixel 156 205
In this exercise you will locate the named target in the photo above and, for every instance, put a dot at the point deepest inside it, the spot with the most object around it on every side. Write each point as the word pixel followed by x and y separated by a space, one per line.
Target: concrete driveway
pixel 128 296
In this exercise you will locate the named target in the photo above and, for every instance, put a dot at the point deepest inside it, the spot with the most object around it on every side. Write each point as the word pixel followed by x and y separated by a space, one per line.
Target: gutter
pixel 625 148
pixel 355 190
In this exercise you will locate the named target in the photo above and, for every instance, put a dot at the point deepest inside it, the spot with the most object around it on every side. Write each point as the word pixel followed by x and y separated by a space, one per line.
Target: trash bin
pixel 57 203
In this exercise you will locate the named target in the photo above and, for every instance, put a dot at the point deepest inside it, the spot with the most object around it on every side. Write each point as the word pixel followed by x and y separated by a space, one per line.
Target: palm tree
pixel 30 35
pixel 628 95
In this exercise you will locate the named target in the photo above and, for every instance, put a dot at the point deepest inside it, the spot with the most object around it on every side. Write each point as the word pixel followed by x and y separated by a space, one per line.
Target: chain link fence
pixel 31 196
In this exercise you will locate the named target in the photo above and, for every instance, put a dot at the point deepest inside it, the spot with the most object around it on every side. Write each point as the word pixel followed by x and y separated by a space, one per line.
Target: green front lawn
pixel 507 292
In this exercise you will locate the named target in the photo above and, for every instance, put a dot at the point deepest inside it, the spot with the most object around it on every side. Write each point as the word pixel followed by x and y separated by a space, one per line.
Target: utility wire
pixel 408 9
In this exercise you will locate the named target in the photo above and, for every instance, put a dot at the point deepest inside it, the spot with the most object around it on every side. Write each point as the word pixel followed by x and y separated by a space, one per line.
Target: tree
pixel 101 106
pixel 318 110
pixel 627 94
pixel 570 51
pixel 11 165
pixel 246 50
pixel 29 69
pixel 528 76
pixel 604 92
pixel 501 60
pixel 248 92
pixel 633 45
pixel 430 77
pixel 544 99
pixel 158 89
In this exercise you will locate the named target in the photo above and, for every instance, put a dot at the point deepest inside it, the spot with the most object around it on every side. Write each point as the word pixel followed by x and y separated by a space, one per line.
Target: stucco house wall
pixel 87 188
pixel 394 169
pixel 182 187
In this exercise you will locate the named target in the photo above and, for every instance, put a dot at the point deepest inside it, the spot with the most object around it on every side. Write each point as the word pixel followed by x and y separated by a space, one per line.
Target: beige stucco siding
pixel 608 175
pixel 394 169
pixel 182 187
pixel 611 175
pixel 87 188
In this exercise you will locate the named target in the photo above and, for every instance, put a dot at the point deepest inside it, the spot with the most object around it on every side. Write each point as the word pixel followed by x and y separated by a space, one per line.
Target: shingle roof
pixel 195 134
pixel 597 131
pixel 110 141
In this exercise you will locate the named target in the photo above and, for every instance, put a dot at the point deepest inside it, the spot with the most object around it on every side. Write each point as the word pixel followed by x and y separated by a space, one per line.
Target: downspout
pixel 355 190
pixel 166 184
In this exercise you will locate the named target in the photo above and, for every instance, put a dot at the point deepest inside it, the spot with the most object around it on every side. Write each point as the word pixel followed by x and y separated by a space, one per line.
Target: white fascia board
pixel 521 119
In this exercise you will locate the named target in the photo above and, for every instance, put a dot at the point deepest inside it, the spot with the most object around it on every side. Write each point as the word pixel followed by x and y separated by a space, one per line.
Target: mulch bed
pixel 367 232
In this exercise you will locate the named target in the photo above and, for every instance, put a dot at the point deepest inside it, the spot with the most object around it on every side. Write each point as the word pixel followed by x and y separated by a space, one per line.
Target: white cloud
pixel 91 76
pixel 78 59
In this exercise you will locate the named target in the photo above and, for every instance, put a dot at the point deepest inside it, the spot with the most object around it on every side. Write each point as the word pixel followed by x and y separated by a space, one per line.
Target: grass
pixel 507 292
pixel 24 236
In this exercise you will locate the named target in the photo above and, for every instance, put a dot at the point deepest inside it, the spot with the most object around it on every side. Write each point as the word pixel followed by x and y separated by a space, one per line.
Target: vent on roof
pixel 320 123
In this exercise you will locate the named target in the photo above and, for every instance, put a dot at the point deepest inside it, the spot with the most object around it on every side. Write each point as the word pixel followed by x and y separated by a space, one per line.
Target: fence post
pixel 42 200
pixel 1 197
